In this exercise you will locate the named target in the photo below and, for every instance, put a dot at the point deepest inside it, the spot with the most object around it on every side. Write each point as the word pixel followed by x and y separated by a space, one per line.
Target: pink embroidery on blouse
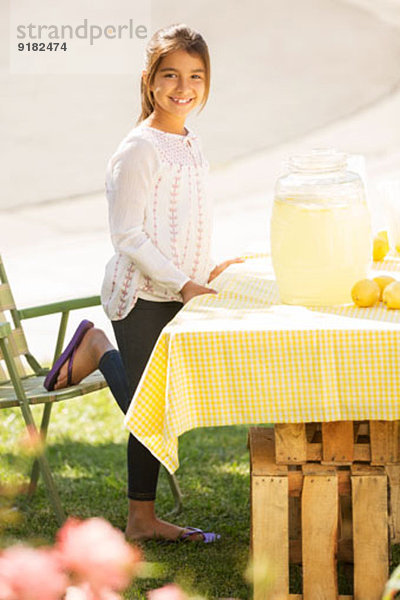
pixel 185 249
pixel 173 217
pixel 200 227
pixel 155 206
pixel 125 289
pixel 114 279
pixel 148 287
pixel 174 150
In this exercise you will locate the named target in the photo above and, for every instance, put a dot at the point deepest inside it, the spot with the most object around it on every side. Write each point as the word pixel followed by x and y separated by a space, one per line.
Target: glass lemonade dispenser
pixel 320 230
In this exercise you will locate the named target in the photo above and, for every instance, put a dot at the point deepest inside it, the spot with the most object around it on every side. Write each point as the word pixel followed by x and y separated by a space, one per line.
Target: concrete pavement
pixel 59 250
pixel 280 70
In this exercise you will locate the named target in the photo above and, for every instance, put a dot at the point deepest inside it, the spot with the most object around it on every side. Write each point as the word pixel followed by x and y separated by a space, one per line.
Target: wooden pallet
pixel 338 443
pixel 296 516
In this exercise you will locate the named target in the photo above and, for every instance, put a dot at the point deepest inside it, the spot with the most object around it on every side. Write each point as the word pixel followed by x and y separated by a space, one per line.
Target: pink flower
pixel 95 552
pixel 168 592
pixel 6 592
pixel 85 592
pixel 31 574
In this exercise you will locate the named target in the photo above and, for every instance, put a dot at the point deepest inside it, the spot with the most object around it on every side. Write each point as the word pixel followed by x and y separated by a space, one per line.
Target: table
pixel 243 357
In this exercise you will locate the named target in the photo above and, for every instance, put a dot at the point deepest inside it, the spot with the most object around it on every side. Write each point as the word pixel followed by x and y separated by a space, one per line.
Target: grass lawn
pixel 87 452
pixel 87 447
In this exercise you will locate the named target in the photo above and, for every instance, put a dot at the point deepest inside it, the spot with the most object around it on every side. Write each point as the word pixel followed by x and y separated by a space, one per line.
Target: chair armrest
pixel 5 330
pixel 57 307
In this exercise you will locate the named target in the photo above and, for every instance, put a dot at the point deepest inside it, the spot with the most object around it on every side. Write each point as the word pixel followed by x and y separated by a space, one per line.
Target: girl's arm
pixel 192 289
pixel 130 187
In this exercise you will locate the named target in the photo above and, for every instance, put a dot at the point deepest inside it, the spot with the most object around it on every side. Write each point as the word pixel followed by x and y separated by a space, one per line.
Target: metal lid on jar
pixel 319 160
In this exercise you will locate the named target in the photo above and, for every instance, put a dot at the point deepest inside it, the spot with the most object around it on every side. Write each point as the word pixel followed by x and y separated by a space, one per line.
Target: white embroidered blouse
pixel 160 218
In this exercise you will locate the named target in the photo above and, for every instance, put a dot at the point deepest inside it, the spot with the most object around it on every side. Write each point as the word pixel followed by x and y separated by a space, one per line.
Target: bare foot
pixel 158 530
pixel 143 524
pixel 86 359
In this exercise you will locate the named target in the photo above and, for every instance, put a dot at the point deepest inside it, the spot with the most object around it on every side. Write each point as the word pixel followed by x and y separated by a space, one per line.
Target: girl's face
pixel 179 84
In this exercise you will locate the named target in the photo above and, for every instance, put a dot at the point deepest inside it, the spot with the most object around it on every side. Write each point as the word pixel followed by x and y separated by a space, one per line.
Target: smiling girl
pixel 160 222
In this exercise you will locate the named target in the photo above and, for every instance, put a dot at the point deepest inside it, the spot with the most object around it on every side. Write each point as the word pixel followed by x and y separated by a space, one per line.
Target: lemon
pixel 391 295
pixel 383 281
pixel 365 292
pixel 380 246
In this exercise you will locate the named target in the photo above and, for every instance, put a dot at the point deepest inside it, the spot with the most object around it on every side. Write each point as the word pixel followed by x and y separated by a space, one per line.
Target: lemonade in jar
pixel 320 230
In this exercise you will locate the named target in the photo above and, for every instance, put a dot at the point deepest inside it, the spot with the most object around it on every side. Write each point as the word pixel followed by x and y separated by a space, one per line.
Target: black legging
pixel 136 336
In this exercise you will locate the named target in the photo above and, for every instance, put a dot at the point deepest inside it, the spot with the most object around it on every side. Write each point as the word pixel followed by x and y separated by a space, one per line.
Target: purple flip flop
pixel 208 538
pixel 69 352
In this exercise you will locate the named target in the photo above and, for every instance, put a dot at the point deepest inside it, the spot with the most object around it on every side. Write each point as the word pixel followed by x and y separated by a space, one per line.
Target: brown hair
pixel 163 42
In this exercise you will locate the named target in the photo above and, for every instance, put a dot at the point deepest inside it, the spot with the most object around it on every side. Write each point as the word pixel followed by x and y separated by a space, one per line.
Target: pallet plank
pixel 270 536
pixel 262 452
pixel 320 506
pixel 338 442
pixel 344 553
pixel 370 532
pixel 296 480
pixel 269 505
pixel 384 436
pixel 290 443
pixel 393 472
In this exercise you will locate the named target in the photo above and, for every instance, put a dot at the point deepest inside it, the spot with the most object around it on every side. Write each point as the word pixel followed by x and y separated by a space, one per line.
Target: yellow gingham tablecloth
pixel 243 357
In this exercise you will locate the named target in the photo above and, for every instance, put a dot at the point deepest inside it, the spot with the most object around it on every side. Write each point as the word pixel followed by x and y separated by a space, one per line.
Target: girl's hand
pixel 224 265
pixel 192 289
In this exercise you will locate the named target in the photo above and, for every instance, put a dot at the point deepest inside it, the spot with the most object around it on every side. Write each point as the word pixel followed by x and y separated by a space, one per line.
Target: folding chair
pixel 22 376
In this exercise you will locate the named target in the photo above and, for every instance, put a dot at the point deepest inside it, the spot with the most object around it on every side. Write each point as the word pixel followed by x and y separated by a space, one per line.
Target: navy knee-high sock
pixel 112 367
